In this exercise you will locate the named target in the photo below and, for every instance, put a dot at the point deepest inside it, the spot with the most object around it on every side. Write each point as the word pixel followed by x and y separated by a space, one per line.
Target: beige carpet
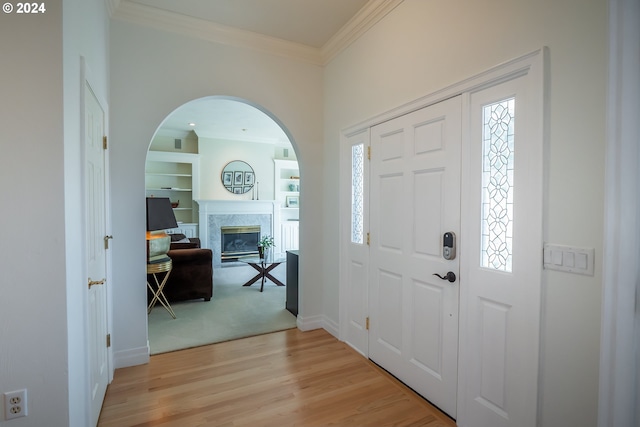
pixel 234 312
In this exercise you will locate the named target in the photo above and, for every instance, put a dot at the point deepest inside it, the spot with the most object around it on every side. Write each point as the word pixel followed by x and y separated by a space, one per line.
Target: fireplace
pixel 238 242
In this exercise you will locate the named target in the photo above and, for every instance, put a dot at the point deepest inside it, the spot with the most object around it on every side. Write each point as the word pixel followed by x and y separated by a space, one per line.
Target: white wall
pixel 167 143
pixel 33 283
pixel 154 72
pixel 215 154
pixel 42 308
pixel 424 46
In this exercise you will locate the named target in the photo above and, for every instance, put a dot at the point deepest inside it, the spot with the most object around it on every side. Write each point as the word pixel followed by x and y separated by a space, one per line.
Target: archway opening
pixel 230 170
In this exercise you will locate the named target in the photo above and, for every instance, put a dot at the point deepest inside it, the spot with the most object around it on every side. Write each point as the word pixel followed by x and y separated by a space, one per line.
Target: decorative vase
pixel 261 251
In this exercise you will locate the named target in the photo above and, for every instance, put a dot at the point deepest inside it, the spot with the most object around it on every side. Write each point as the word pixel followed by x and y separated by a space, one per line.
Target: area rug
pixel 234 312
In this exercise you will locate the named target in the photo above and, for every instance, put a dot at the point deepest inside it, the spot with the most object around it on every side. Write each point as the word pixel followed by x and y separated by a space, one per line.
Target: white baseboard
pixel 131 357
pixel 331 327
pixel 317 322
pixel 140 355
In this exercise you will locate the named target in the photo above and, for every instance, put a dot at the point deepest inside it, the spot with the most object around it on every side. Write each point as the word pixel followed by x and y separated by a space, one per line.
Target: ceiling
pixel 223 119
pixel 312 23
pixel 308 22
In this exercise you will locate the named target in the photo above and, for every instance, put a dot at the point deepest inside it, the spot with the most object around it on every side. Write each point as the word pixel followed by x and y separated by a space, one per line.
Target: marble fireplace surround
pixel 214 214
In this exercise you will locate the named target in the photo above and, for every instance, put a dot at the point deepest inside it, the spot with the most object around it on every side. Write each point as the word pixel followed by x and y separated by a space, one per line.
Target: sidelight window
pixel 357 193
pixel 497 185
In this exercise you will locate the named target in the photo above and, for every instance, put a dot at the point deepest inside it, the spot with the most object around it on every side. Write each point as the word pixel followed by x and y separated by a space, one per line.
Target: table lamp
pixel 160 217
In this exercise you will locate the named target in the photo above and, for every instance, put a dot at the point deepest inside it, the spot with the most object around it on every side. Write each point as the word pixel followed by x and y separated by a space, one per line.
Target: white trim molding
pixel 132 357
pixel 532 64
pixel 619 386
pixel 366 18
pixel 135 13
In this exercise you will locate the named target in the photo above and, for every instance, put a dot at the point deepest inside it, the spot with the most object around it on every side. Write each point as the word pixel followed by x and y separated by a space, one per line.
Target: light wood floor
pixel 288 378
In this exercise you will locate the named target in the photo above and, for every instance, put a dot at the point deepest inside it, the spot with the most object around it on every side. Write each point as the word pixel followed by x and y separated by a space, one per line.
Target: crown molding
pixel 202 29
pixel 366 18
pixel 162 20
pixel 112 6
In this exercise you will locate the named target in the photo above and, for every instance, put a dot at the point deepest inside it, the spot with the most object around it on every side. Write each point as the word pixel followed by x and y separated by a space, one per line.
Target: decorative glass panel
pixel 357 193
pixel 497 184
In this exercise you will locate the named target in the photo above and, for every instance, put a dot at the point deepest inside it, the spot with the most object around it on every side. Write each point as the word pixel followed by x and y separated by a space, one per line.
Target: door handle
pixel 95 282
pixel 450 276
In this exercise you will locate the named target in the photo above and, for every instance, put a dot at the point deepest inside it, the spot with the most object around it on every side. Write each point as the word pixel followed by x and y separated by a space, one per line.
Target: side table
pixel 156 270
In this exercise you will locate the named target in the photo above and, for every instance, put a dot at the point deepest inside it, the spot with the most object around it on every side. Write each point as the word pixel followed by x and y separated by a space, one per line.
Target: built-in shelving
pixel 176 176
pixel 287 187
pixel 287 191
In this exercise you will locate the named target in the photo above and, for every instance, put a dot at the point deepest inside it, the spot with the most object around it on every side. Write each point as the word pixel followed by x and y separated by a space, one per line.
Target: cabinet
pixel 291 302
pixel 289 235
pixel 287 187
pixel 176 176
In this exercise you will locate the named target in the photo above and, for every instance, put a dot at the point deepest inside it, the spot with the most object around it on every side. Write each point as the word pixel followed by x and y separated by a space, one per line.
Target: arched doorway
pixel 188 162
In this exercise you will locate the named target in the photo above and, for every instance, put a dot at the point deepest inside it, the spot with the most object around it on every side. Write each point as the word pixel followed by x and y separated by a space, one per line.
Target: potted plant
pixel 265 242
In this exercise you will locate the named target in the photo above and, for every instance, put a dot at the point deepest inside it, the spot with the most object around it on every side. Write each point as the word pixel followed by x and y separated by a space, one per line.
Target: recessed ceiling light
pixel 192 124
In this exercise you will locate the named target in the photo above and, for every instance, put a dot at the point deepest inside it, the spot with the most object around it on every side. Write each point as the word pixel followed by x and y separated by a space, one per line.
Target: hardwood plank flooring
pixel 288 378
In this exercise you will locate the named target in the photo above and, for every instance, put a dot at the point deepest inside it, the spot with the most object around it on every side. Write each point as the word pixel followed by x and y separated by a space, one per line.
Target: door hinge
pixel 104 142
pixel 368 238
pixel 106 241
pixel 108 340
pixel 367 323
pixel 369 152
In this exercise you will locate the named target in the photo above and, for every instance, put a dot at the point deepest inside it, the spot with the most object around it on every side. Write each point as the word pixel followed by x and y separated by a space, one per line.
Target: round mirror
pixel 238 177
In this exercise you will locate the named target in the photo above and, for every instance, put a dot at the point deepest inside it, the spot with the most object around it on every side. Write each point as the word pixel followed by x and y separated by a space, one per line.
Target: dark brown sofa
pixel 192 273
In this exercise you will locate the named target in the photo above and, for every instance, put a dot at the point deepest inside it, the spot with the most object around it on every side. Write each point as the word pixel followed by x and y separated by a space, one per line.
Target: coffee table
pixel 263 267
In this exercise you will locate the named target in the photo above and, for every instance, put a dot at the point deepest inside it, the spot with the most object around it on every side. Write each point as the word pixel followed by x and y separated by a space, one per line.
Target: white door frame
pixel 532 65
pixel 619 389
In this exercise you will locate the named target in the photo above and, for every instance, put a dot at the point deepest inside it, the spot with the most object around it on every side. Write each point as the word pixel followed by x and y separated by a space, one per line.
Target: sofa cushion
pixel 191 276
pixel 179 238
pixel 188 243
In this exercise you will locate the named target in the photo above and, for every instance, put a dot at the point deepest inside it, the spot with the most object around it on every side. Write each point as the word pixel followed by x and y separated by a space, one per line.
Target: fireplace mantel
pixel 215 213
pixel 237 206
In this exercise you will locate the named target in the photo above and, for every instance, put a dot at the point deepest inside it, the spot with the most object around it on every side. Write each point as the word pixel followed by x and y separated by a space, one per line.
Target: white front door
pixel 414 201
pixel 94 123
pixel 471 165
pixel 502 247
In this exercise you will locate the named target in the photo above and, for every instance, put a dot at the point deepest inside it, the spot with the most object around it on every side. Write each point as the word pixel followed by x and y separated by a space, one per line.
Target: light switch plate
pixel 569 258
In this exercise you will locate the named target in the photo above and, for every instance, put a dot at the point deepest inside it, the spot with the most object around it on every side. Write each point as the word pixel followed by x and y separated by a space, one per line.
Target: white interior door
pixel 414 200
pixel 502 247
pixel 94 122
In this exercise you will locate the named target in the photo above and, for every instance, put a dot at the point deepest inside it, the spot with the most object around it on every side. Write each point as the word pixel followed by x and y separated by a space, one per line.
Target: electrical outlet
pixel 15 404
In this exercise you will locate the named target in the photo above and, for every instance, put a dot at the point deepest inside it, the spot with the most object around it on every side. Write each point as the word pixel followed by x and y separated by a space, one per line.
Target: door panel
pixel 427 240
pixel 427 309
pixel 415 199
pixel 390 329
pixel 502 247
pixel 391 211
